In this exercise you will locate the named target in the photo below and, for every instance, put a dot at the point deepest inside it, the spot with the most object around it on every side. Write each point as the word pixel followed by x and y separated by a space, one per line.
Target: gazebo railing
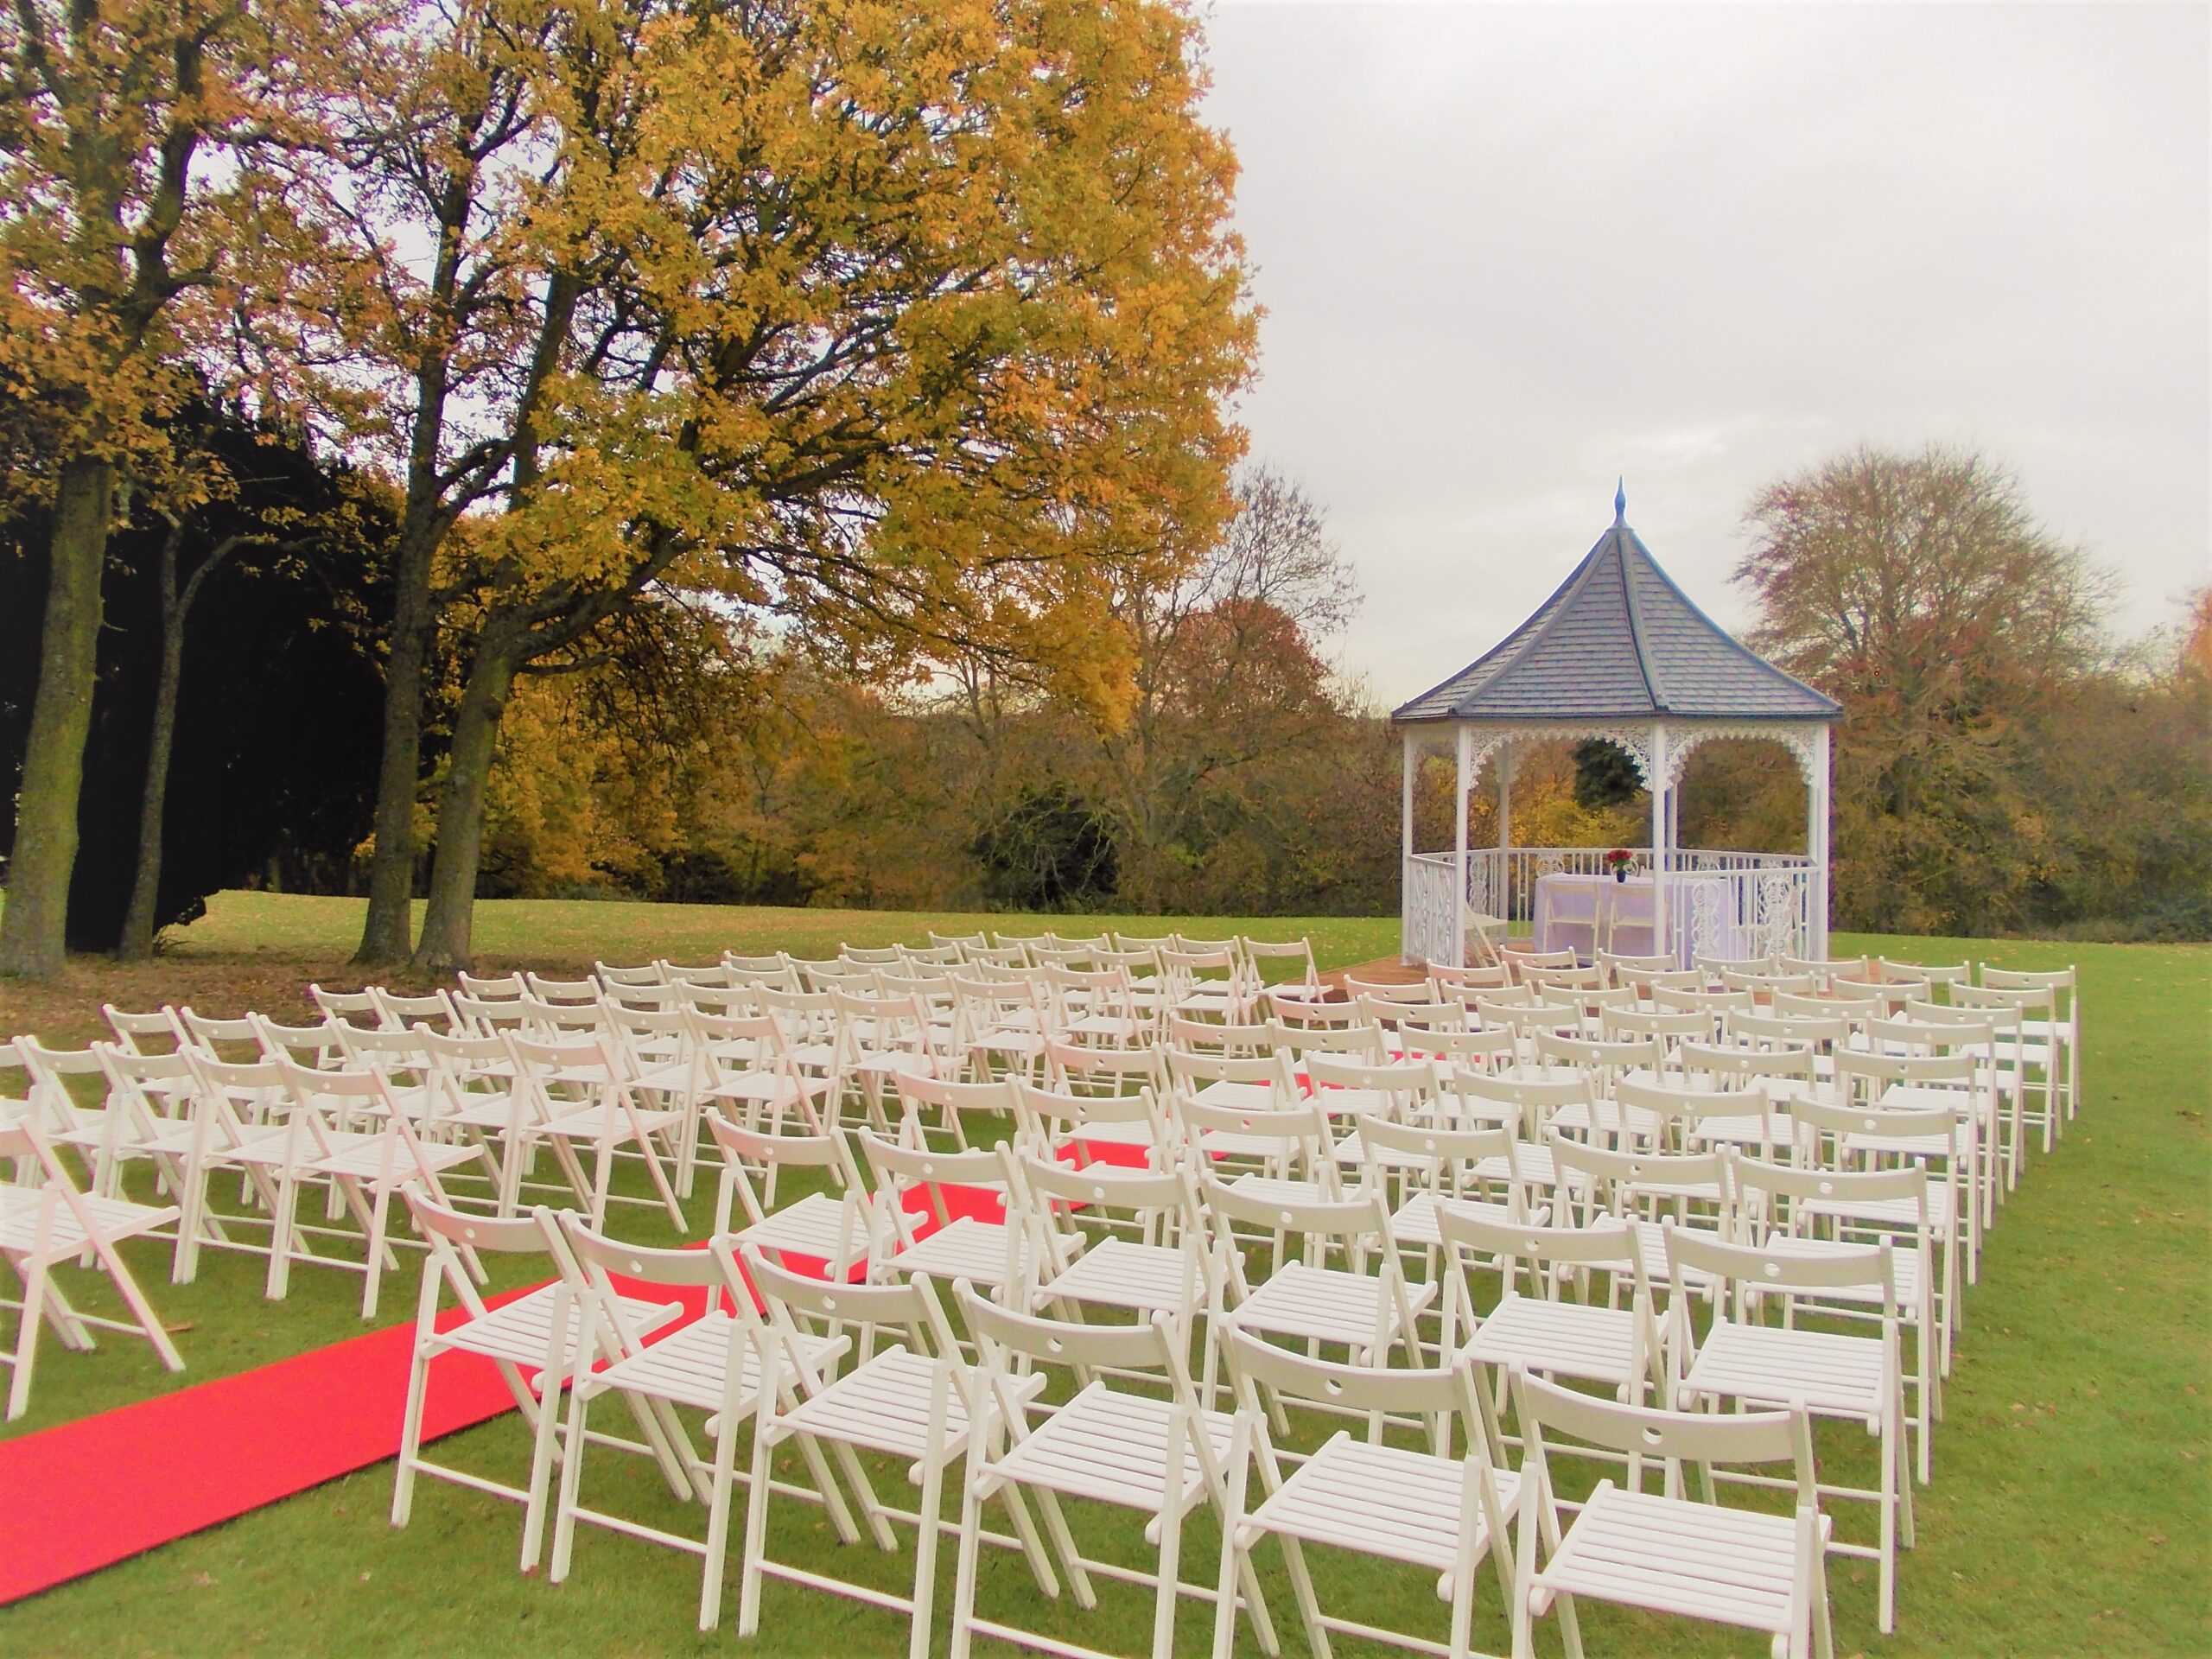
pixel 1718 903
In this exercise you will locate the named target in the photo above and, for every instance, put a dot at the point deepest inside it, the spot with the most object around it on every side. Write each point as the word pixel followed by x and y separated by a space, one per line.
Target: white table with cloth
pixel 1584 913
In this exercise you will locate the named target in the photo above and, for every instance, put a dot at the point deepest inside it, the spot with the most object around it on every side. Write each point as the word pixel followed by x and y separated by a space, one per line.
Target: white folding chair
pixel 1855 1379
pixel 833 1227
pixel 712 1364
pixel 536 1332
pixel 907 1394
pixel 1424 1509
pixel 1161 1456
pixel 1658 1551
pixel 46 1220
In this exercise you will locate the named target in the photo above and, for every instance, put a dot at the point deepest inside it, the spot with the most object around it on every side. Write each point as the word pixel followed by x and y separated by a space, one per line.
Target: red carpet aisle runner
pixel 82 1496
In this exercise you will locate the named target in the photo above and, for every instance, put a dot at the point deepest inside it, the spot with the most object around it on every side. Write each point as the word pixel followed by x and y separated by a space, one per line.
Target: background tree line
pixel 691 448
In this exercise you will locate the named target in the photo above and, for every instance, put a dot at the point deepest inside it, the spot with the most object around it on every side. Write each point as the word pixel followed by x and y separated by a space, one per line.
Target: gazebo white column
pixel 1466 751
pixel 1662 837
pixel 1504 798
pixel 1816 838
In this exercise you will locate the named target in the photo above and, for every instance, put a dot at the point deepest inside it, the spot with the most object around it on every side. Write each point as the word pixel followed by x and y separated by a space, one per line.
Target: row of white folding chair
pixel 871 1392
pixel 287 1131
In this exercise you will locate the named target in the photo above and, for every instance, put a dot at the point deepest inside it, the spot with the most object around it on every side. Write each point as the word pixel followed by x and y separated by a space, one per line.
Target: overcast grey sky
pixel 1509 252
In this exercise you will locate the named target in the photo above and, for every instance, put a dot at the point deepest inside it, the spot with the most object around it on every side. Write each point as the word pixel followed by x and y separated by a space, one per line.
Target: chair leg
pixel 34 1314
pixel 756 1534
pixel 931 1511
pixel 964 1583
pixel 410 1437
pixel 1171 1566
pixel 541 1463
pixel 710 1586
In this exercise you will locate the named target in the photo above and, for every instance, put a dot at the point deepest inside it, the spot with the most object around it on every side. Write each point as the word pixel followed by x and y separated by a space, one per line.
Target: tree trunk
pixel 33 939
pixel 385 934
pixel 137 942
pixel 446 923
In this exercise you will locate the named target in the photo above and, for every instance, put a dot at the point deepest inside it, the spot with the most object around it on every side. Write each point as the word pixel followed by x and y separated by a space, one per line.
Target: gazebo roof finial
pixel 1620 501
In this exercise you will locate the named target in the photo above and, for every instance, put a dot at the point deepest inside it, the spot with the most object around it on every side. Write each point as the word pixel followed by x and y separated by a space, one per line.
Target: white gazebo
pixel 1619 654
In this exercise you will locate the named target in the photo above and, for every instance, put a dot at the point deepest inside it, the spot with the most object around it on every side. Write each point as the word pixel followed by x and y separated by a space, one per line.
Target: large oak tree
pixel 901 326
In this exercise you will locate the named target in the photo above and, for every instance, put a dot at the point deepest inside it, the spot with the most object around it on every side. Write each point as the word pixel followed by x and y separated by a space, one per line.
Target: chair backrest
pixel 1749 1269
pixel 1928 973
pixel 1744 1068
pixel 1364 1040
pixel 350 1007
pixel 534 1057
pixel 1187 1072
pixel 1407 1083
pixel 1110 1188
pixel 1681 1437
pixel 1077 1069
pixel 1045 1117
pixel 488 1015
pixel 523 1235
pixel 609 976
pixel 1818 1119
pixel 1388 991
pixel 1298 951
pixel 1525 1102
pixel 1357 1216
pixel 1857 1067
pixel 1612 1180
pixel 1776 1190
pixel 1676 998
pixel 1450 1015
pixel 401 1012
pixel 383 1051
pixel 561 990
pixel 1608 1244
pixel 206 1033
pixel 1614 1024
pixel 776 971
pixel 1444 1156
pixel 1524 956
pixel 1784 1030
pixel 1600 1058
pixel 899 1170
pixel 491 987
pixel 321 1041
pixel 1448 1391
pixel 1010 1343
pixel 953 1100
pixel 600 1257
pixel 552 1017
pixel 703 974
pixel 1482 1051
pixel 652 994
pixel 1216 1037
pixel 1685 1110
pixel 875 956
pixel 1548 978
pixel 159 1029
pixel 1295 1006
pixel 1496 976
pixel 909 1308
pixel 463 1057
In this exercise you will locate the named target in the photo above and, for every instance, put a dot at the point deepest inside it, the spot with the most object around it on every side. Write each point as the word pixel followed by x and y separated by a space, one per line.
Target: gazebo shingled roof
pixel 1619 641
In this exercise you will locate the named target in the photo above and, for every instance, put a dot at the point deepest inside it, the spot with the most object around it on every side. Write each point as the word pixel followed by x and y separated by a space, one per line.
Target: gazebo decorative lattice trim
pixel 1620 654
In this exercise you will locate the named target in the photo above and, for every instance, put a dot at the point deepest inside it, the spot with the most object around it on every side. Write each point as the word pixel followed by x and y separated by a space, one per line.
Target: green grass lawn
pixel 2068 1514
